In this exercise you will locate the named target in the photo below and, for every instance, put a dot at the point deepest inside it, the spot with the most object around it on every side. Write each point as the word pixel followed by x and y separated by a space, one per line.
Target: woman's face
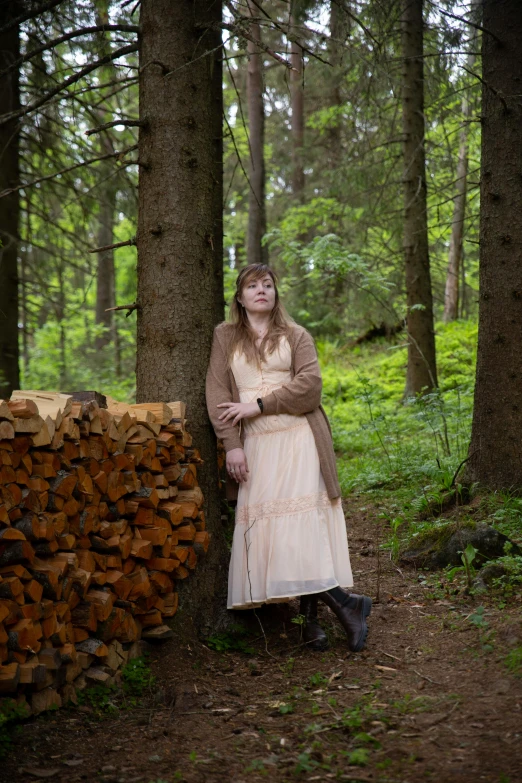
pixel 258 296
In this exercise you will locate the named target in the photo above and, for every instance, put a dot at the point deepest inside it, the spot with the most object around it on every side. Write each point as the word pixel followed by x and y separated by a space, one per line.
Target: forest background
pixel 321 112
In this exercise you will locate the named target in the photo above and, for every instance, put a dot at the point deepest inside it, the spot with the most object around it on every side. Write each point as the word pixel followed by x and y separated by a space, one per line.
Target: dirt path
pixel 430 699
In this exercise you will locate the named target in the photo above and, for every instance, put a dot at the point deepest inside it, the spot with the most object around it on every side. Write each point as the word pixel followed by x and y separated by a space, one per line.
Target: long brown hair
pixel 243 336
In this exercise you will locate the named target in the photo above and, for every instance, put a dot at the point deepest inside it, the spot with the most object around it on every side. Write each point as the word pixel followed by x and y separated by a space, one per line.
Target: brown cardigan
pixel 301 395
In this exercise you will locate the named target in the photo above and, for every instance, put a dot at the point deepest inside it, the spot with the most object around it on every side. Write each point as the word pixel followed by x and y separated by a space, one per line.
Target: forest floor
pixel 431 698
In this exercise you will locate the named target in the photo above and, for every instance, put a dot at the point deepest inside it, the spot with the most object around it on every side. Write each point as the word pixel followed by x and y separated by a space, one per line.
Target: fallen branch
pixel 425 677
pixel 127 242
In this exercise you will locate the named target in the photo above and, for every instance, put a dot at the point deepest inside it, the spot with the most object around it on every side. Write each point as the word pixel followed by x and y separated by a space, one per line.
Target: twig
pixel 107 125
pixel 459 467
pixel 129 307
pixel 425 677
pixel 125 28
pixel 131 241
pixel 239 158
pixel 388 655
pixel 69 168
pixel 468 22
pixel 247 547
pixel 29 15
pixel 238 29
pixel 495 92
pixel 67 83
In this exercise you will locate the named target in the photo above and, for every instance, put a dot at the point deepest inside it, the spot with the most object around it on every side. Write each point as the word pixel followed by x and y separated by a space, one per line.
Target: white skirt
pixel 289 537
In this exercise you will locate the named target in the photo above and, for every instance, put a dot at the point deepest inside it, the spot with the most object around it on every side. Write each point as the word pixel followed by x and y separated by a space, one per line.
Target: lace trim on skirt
pixel 283 507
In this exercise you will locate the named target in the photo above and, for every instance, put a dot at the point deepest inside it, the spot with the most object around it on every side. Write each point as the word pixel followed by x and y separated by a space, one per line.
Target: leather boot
pixel 351 611
pixel 313 634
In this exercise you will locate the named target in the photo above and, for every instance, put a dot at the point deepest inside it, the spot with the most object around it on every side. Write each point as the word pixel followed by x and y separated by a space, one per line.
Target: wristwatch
pixel 260 403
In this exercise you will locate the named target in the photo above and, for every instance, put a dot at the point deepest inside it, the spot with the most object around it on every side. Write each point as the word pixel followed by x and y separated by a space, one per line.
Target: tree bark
pixel 256 253
pixel 496 437
pixel 297 104
pixel 9 205
pixel 105 273
pixel 451 295
pixel 422 371
pixel 105 267
pixel 339 32
pixel 180 243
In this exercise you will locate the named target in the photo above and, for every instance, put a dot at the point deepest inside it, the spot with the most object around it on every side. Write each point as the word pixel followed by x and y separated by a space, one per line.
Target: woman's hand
pixel 239 410
pixel 237 466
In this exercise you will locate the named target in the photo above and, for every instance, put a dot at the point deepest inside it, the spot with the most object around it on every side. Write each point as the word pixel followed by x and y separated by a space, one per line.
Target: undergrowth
pixel 137 681
pixel 405 457
pixel 11 715
pixel 389 445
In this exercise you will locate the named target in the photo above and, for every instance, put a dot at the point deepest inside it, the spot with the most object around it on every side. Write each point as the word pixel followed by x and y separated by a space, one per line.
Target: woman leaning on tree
pixel 263 391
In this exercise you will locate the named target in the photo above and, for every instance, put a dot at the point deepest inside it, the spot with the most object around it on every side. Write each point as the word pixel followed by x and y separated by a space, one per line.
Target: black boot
pixel 351 611
pixel 313 634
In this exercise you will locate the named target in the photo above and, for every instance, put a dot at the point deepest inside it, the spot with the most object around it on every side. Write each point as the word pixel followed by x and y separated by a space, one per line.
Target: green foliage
pixel 358 757
pixel 317 679
pixel 384 443
pixel 467 557
pixel 137 677
pixel 257 765
pixel 101 698
pixel 234 639
pixel 11 714
pixel 513 661
pixel 305 763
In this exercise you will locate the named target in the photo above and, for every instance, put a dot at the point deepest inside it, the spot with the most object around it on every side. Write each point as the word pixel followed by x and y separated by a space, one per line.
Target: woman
pixel 263 391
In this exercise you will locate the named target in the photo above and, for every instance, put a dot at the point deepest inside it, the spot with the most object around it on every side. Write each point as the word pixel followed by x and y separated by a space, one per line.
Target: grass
pixel 403 455
pixel 389 446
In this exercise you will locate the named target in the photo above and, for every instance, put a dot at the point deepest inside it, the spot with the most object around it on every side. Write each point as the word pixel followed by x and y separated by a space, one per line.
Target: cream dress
pixel 289 537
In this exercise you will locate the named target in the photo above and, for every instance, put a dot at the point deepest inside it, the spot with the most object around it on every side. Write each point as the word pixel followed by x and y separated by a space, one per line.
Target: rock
pixel 486 575
pixel 137 649
pixel 442 545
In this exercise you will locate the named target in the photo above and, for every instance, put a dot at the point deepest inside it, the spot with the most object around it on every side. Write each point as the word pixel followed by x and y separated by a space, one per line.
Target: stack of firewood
pixel 100 515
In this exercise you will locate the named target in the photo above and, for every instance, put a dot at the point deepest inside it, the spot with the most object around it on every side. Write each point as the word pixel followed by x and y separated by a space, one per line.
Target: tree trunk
pixel 496 438
pixel 256 253
pixel 105 268
pixel 297 102
pixel 339 32
pixel 180 243
pixel 105 274
pixel 451 296
pixel 422 371
pixel 9 205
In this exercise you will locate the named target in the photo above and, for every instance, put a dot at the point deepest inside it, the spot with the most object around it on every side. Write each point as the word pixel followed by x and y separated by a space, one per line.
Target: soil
pixel 430 698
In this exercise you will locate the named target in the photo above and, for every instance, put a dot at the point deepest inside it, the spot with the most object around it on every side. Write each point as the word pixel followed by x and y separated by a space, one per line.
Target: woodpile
pixel 100 515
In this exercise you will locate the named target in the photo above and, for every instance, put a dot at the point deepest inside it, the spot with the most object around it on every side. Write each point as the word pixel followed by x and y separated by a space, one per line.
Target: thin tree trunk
pixel 339 31
pixel 451 296
pixel 256 253
pixel 9 205
pixel 60 317
pixel 297 103
pixel 105 266
pixel 496 437
pixel 180 243
pixel 422 371
pixel 105 274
